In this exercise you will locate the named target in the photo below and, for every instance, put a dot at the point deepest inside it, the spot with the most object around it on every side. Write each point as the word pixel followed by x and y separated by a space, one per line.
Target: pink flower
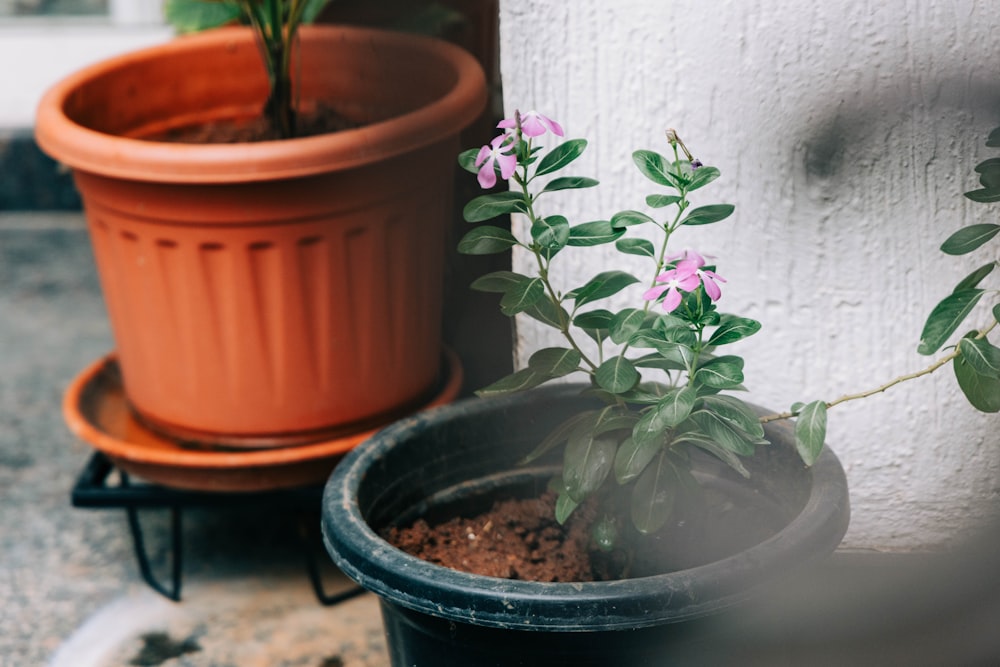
pixel 710 279
pixel 494 155
pixel 533 124
pixel 683 278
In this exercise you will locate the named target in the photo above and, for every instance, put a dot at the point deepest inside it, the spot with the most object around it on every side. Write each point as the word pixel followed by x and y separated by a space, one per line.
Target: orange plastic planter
pixel 278 291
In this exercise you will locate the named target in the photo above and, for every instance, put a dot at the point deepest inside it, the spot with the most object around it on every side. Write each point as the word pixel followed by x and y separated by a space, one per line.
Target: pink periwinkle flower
pixel 710 279
pixel 497 153
pixel 682 278
pixel 533 124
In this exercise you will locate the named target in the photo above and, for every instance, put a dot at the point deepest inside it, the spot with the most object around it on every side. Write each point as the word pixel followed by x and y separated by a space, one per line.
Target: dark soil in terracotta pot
pixel 321 120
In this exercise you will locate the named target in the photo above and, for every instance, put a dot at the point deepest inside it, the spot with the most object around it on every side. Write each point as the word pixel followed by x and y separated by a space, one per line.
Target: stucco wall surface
pixel 846 132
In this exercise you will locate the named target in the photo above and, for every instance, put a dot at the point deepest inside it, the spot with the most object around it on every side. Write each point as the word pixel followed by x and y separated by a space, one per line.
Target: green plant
pixel 275 23
pixel 663 377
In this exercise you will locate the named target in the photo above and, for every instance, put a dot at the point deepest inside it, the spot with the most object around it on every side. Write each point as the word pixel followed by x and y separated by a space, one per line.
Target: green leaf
pixel 716 428
pixel 668 413
pixel 633 457
pixel 569 183
pixel 702 176
pixel 723 372
pixel 467 160
pixel 586 463
pixel 594 233
pixel 982 356
pixel 516 381
pixel 734 329
pixel 605 533
pixel 982 392
pixel 989 173
pixel 656 168
pixel 984 196
pixel 617 375
pixel 560 156
pixel 196 15
pixel 555 361
pixel 522 297
pixel 946 318
pixel 969 238
pixel 737 413
pixel 655 360
pixel 547 312
pixel 601 286
pixel 653 496
pixel 676 406
pixel 561 433
pixel 551 232
pixel 486 207
pixel 640 247
pixel 704 215
pixel 614 418
pixel 594 319
pixel 976 277
pixel 499 281
pixel 486 240
pixel 701 441
pixel 661 201
pixel 810 431
pixel 623 219
pixel 564 507
pixel 626 324
pixel 677 353
pixel 993 140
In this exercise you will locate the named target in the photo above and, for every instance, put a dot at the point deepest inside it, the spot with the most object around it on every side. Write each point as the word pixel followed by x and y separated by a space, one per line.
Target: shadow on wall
pixel 831 142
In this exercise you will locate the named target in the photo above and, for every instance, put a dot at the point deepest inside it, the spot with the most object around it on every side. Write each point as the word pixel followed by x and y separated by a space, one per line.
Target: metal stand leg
pixel 325 599
pixel 174 592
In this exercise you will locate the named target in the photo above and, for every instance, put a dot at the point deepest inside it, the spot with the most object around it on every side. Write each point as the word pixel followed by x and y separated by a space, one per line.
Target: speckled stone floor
pixel 71 591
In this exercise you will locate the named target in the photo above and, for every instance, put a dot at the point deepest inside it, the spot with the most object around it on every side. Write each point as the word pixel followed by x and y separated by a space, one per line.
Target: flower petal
pixel 508 163
pixel 487 176
pixel 672 300
pixel 653 293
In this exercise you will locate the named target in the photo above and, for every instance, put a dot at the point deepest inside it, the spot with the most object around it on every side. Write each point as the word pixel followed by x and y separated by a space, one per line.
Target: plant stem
pixel 892 383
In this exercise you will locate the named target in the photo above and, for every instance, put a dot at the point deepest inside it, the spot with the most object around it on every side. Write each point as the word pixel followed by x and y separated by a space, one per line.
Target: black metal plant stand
pixel 93 490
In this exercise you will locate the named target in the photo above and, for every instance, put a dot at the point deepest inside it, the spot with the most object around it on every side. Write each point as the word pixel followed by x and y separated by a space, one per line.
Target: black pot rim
pixel 410 582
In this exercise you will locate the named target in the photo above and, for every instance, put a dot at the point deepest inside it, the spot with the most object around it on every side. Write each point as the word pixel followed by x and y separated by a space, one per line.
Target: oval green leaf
pixel 486 207
pixel 981 391
pixel 594 233
pixel 734 329
pixel 560 156
pixel 969 238
pixel 617 375
pixel 653 496
pixel 586 464
pixel 982 356
pixel 810 431
pixel 705 215
pixel 946 318
pixel 486 240
pixel 569 183
pixel 555 361
pixel 523 296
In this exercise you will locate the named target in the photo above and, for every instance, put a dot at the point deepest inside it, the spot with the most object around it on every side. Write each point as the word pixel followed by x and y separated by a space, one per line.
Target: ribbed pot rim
pixel 109 155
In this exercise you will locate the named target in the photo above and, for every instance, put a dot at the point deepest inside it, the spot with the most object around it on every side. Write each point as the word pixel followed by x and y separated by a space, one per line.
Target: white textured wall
pixel 846 132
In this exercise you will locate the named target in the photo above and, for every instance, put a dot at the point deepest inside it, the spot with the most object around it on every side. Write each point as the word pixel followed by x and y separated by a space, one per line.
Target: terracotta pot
pixel 277 291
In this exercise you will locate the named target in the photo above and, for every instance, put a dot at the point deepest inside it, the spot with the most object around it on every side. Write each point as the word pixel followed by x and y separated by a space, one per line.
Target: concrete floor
pixel 71 590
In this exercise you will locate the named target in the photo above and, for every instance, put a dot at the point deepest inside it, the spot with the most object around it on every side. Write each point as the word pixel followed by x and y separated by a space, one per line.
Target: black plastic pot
pixel 458 457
